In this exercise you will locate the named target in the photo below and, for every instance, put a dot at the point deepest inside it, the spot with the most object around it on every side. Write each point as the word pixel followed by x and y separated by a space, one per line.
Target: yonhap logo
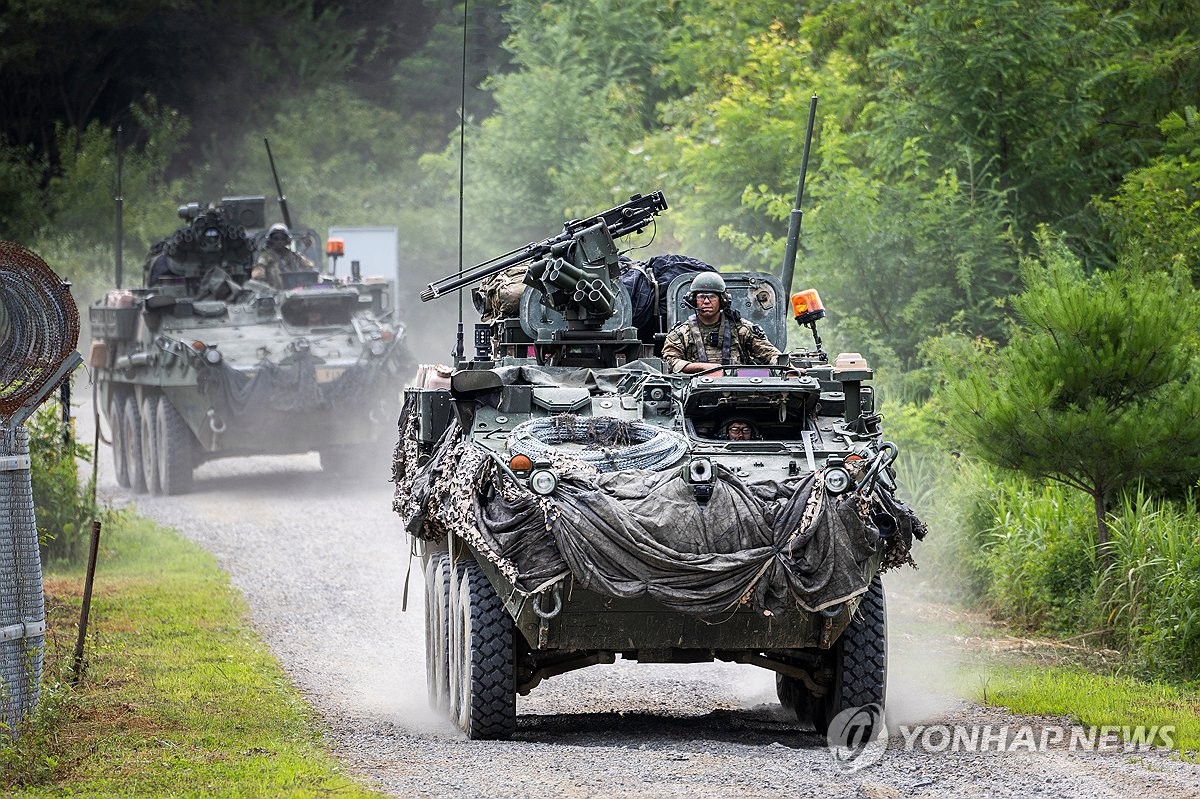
pixel 857 738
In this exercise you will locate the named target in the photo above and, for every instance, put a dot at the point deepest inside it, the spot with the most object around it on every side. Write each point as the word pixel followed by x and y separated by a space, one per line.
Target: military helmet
pixel 279 227
pixel 708 283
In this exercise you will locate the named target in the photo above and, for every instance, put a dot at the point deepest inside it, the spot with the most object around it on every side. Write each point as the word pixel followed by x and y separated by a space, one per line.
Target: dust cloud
pixel 926 656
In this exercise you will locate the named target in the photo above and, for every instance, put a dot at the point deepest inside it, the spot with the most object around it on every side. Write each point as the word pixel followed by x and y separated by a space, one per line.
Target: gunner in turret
pixel 277 257
pixel 714 335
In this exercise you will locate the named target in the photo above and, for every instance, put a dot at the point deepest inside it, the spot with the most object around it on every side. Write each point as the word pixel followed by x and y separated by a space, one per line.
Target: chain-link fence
pixel 22 613
pixel 39 328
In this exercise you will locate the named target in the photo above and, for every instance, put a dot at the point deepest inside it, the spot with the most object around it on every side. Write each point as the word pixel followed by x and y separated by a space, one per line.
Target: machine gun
pixel 629 217
pixel 584 316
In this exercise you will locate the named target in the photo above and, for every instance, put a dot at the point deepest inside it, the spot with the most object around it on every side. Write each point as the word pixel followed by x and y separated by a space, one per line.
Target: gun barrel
pixel 481 271
pixel 629 217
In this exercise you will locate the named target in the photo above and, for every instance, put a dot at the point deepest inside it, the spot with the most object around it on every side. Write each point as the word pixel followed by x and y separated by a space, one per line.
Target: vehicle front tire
pixel 486 691
pixel 132 433
pixel 176 447
pixel 859 661
pixel 149 415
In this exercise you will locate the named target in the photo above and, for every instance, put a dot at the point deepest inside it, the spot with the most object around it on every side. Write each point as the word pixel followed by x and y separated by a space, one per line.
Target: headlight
pixel 212 356
pixel 700 470
pixel 543 482
pixel 837 480
pixel 378 348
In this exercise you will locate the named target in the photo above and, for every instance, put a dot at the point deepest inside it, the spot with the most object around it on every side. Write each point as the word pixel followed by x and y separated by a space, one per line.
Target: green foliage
pixel 1096 388
pixel 1155 215
pixel 353 169
pixel 1038 556
pixel 557 143
pixel 1026 550
pixel 1100 700
pixel 62 506
pixel 1150 590
pixel 82 193
pixel 1017 85
pixel 949 240
pixel 30 757
pixel 21 212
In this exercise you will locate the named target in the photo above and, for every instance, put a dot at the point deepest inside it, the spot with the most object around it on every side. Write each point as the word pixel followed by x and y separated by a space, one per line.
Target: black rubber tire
pixel 116 428
pixel 176 449
pixel 149 415
pixel 486 707
pixel 437 630
pixel 794 696
pixel 132 433
pixel 859 662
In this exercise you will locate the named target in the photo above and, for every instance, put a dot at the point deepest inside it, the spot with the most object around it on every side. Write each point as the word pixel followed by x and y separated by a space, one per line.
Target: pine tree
pixel 1097 388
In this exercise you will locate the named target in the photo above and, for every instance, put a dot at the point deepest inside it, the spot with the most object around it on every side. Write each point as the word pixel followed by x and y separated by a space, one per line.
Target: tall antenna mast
pixel 797 215
pixel 120 201
pixel 462 160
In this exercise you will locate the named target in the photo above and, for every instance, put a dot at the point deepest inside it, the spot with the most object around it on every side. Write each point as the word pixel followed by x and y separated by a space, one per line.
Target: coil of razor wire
pixel 605 443
pixel 39 325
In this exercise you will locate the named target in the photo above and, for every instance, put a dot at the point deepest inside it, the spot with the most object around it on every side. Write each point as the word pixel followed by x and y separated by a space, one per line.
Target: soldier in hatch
pixel 714 335
pixel 738 429
pixel 277 258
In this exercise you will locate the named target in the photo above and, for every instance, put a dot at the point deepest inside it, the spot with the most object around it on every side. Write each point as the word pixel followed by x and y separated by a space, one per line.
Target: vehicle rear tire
pixel 132 433
pixel 486 690
pixel 794 696
pixel 116 427
pixel 176 449
pixel 859 662
pixel 149 415
pixel 437 630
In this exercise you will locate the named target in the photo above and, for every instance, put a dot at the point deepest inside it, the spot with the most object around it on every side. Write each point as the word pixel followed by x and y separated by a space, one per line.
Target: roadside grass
pixel 179 698
pixel 1091 699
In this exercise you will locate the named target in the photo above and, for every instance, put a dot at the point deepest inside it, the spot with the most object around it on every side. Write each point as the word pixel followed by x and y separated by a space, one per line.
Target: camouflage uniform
pixel 739 342
pixel 272 263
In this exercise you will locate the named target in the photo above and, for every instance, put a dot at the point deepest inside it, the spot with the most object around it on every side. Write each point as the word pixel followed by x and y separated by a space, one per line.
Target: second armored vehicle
pixel 204 361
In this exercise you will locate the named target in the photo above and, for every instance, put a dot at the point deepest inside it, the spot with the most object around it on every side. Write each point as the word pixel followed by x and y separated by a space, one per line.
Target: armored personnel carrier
pixel 574 501
pixel 204 362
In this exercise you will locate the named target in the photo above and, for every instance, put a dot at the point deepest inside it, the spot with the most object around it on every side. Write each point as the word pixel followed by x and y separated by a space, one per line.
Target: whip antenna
pixel 120 201
pixel 462 160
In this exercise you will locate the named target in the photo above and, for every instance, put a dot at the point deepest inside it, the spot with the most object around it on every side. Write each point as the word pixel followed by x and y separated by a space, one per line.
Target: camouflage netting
pixel 288 386
pixel 770 545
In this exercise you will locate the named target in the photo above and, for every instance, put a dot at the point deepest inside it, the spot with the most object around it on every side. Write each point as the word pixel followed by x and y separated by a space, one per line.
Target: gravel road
pixel 323 564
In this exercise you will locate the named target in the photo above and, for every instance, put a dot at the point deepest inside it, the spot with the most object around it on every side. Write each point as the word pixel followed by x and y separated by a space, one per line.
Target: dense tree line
pixel 983 172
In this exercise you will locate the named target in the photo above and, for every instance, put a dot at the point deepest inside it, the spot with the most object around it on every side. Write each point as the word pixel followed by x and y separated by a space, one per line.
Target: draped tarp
pixel 770 545
pixel 290 385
